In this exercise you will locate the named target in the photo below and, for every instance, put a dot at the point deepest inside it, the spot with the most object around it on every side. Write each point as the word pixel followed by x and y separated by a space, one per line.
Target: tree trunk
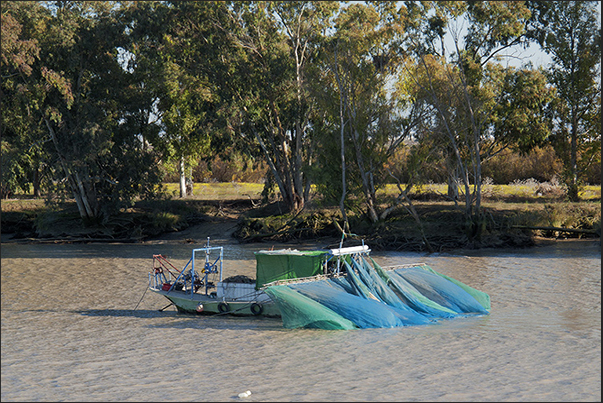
pixel 182 178
pixel 281 182
pixel 75 184
pixel 453 181
pixel 290 164
pixel 90 212
pixel 299 134
pixel 572 188
pixel 343 167
pixel 342 139
pixel 403 194
pixel 36 182
pixel 369 192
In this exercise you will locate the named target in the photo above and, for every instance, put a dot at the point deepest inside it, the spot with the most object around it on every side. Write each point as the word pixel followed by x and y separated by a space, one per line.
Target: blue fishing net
pixel 364 313
pixel 440 290
pixel 298 311
pixel 413 298
pixel 367 296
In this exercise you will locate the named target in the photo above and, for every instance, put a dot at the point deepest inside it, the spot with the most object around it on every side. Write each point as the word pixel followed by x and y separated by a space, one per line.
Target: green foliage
pixel 570 32
pixel 22 138
pixel 101 99
pixel 520 111
pixel 165 222
pixel 76 136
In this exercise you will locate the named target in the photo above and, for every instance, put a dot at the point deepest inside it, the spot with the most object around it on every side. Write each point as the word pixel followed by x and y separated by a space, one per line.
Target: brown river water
pixel 70 332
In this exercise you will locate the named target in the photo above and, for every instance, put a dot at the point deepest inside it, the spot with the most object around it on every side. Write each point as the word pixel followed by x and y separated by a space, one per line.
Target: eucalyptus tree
pixel 570 31
pixel 264 86
pixel 22 144
pixel 185 131
pixel 304 24
pixel 474 98
pixel 74 97
pixel 187 92
pixel 359 59
pixel 145 25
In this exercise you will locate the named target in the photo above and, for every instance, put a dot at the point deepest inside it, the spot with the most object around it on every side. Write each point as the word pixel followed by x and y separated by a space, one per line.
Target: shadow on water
pixel 142 313
pixel 174 250
pixel 225 323
pixel 188 321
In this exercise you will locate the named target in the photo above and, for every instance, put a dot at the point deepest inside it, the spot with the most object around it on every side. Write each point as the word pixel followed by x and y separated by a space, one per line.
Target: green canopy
pixel 287 264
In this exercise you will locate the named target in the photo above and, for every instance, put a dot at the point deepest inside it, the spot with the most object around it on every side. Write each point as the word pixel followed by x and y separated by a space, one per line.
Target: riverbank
pixel 238 215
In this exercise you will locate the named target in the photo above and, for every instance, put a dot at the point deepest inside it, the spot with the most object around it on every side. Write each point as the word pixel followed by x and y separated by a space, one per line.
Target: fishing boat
pixel 341 288
pixel 200 288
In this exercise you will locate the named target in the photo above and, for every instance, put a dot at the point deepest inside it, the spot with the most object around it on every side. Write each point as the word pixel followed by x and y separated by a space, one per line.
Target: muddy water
pixel 70 333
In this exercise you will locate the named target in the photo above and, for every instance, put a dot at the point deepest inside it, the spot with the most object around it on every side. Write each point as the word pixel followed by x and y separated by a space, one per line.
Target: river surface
pixel 78 325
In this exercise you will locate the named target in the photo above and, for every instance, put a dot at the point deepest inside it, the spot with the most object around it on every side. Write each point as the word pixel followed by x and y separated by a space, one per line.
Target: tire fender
pixel 256 309
pixel 223 307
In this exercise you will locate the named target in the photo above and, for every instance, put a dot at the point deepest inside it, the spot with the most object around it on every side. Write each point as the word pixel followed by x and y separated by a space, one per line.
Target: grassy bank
pixel 514 215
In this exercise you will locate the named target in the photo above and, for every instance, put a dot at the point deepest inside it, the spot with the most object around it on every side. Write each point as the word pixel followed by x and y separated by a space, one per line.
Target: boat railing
pixel 332 265
pixel 349 250
pixel 162 272
pixel 300 280
pixel 189 279
pixel 336 256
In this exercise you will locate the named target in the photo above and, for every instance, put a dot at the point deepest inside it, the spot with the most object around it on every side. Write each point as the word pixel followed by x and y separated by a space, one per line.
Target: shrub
pixel 541 165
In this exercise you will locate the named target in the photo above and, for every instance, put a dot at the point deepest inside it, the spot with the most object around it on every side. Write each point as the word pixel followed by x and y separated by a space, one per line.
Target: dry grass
pixel 219 191
pixel 22 204
pixel 528 189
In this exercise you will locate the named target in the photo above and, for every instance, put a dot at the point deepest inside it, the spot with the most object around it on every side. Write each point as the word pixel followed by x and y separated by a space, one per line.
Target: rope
pixel 244 296
pixel 236 310
pixel 145 291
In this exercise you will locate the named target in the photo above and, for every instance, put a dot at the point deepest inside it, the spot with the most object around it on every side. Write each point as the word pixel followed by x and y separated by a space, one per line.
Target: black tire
pixel 223 307
pixel 256 309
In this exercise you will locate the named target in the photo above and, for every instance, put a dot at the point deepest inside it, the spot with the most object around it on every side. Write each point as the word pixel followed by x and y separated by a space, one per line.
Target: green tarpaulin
pixel 287 264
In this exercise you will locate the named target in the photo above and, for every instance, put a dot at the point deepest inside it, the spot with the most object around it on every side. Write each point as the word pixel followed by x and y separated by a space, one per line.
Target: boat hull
pixel 201 304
